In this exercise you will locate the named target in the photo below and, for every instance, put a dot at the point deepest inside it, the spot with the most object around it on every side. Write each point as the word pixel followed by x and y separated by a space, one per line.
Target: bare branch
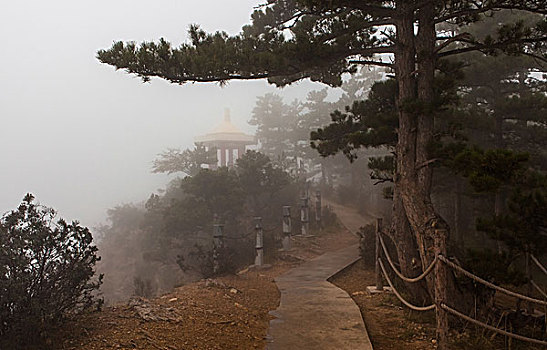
pixel 374 63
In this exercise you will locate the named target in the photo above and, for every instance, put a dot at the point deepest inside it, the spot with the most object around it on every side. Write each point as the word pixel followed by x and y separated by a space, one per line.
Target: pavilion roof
pixel 226 132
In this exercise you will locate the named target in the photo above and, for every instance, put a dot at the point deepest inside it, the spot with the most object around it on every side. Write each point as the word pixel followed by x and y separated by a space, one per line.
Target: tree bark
pixel 407 252
pixel 415 70
pixel 460 244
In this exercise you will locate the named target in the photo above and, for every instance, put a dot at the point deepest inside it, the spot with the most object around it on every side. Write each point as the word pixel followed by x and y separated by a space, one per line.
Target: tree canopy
pixel 289 40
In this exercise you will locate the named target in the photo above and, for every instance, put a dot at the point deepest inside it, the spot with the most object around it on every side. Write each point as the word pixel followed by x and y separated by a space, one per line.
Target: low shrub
pixel 46 274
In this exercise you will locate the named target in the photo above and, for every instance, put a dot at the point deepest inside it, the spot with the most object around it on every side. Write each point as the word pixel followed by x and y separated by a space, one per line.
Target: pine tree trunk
pixel 457 216
pixel 407 252
pixel 416 131
pixel 498 198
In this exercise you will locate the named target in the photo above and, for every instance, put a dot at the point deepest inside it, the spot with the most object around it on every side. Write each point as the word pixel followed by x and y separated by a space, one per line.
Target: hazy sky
pixel 79 135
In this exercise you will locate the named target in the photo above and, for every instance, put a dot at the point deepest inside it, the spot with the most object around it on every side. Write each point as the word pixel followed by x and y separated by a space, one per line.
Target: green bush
pixel 46 274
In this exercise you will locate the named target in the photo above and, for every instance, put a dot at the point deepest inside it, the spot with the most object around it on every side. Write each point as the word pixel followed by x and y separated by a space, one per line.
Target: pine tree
pixel 329 38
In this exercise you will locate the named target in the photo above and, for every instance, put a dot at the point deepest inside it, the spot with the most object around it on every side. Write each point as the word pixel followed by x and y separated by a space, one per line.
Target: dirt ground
pixel 229 312
pixel 232 312
pixel 392 327
pixel 388 324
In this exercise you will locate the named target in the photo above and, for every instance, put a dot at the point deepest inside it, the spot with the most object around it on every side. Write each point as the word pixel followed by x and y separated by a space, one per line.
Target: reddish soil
pixel 229 312
pixel 390 326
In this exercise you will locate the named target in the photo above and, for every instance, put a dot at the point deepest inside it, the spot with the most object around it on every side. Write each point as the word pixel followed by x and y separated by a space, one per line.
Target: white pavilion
pixel 229 141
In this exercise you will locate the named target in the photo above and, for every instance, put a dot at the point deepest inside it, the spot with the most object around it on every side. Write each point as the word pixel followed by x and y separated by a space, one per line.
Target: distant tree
pixel 46 274
pixel 189 161
pixel 260 180
pixel 219 190
pixel 523 226
pixel 276 124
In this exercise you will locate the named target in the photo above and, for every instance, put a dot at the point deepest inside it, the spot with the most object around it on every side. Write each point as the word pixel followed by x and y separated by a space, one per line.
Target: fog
pixel 80 136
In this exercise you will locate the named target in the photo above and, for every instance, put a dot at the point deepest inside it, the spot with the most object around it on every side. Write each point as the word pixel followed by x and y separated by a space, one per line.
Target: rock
pixel 151 312
pixel 242 272
pixel 214 283
pixel 233 291
pixel 173 300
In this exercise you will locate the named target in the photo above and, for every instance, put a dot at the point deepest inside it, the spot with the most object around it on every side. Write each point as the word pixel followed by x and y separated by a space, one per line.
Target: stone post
pixel 259 260
pixel 218 244
pixel 305 215
pixel 287 228
pixel 318 206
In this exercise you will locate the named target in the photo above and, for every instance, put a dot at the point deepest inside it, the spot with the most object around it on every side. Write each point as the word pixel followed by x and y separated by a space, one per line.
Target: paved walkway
pixel 313 313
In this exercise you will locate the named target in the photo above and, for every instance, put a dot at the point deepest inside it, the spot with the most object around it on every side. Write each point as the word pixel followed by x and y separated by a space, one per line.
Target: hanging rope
pixel 536 261
pixel 399 273
pixel 245 236
pixel 488 284
pixel 273 228
pixel 539 289
pixel 492 328
pixel 409 305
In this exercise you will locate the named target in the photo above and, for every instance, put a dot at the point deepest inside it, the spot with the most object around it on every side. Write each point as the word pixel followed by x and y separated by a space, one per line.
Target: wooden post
pixel 529 305
pixel 218 244
pixel 379 279
pixel 440 290
pixel 259 260
pixel 287 228
pixel 318 209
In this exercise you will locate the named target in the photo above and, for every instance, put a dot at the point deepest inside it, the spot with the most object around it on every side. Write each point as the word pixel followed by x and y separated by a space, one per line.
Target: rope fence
pixel 251 233
pixel 440 303
pixel 488 284
pixel 539 289
pixel 244 236
pixel 490 327
pixel 399 273
pixel 398 295
pixel 538 264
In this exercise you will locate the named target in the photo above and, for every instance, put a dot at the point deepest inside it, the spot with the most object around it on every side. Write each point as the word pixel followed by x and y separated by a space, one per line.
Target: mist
pixel 81 137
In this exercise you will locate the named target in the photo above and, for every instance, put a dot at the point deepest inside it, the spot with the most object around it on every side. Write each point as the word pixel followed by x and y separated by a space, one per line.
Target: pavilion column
pixel 230 157
pixel 240 152
pixel 222 156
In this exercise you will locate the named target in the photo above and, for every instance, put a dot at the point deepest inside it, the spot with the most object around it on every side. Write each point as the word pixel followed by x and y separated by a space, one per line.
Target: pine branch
pixel 495 46
pixel 450 40
pixel 539 7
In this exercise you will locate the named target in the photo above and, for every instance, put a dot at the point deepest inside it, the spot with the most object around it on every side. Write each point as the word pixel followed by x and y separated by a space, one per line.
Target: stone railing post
pixel 305 216
pixel 318 206
pixel 259 260
pixel 218 244
pixel 287 228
